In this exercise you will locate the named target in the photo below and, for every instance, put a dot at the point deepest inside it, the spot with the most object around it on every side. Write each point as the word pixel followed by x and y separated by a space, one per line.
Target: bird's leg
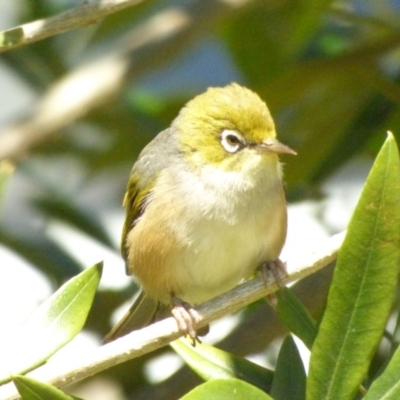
pixel 186 317
pixel 275 267
pixel 278 269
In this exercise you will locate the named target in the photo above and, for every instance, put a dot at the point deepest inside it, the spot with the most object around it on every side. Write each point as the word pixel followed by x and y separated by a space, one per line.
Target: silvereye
pixel 205 206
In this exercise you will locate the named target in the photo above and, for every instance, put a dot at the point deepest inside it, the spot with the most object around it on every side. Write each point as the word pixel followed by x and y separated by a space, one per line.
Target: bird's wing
pixel 151 162
pixel 135 204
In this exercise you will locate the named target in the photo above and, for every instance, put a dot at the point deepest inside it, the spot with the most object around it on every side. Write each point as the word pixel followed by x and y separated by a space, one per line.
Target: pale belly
pixel 207 242
pixel 220 256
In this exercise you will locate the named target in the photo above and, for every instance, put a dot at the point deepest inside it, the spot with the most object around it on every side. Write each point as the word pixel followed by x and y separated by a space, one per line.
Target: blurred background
pixel 83 104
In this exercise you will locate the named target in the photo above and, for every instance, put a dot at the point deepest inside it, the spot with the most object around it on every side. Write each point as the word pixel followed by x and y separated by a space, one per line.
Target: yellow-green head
pixel 224 126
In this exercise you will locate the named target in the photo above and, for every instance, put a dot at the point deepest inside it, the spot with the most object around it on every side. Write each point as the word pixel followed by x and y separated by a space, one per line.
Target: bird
pixel 205 207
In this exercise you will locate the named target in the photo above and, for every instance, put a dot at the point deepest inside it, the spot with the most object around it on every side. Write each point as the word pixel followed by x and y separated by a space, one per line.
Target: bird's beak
pixel 273 146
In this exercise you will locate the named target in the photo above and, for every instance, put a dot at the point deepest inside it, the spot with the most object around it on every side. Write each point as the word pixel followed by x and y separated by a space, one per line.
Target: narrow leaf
pixel 52 325
pixel 71 214
pixel 290 377
pixel 31 389
pixel 42 252
pixel 226 389
pixel 211 363
pixel 295 316
pixel 363 286
pixel 6 170
pixel 387 385
pixel 11 37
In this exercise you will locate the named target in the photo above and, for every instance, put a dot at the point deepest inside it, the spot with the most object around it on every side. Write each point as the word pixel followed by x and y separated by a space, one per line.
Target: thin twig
pixel 161 37
pixel 161 333
pixel 83 15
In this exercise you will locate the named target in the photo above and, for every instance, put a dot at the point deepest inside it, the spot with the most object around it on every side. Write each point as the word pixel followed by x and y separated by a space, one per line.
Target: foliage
pixel 358 307
pixel 329 73
pixel 357 310
pixel 53 324
pixel 30 389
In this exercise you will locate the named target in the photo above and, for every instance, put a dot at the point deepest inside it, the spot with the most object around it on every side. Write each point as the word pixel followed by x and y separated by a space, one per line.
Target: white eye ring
pixel 231 141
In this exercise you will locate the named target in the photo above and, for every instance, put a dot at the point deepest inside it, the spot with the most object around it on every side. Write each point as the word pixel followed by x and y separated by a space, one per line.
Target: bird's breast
pixel 200 236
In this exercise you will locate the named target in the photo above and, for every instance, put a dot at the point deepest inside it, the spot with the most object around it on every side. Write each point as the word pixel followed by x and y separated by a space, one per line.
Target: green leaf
pixel 31 389
pixel 330 82
pixel 226 389
pixel 295 316
pixel 387 385
pixel 42 252
pixel 212 363
pixel 11 37
pixel 289 377
pixel 52 325
pixel 6 169
pixel 363 286
pixel 260 20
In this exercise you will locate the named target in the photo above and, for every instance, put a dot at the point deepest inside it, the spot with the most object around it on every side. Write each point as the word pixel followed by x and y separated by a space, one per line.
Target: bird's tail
pixel 143 312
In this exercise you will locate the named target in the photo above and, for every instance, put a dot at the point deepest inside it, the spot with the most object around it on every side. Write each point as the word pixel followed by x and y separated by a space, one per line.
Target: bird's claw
pixel 186 317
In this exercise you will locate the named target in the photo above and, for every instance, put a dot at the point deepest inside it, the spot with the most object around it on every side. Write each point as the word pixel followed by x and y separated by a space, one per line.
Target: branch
pixel 161 333
pixel 77 17
pixel 148 46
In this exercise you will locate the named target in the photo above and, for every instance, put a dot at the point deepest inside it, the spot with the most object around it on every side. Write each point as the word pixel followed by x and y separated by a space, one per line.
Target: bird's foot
pixel 186 317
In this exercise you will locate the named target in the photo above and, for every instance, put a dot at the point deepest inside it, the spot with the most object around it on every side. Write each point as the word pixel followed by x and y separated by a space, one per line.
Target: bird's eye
pixel 231 141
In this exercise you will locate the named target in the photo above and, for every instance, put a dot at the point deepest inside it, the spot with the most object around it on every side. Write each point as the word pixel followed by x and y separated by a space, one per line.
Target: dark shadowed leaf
pixel 43 253
pixel 295 316
pixel 289 377
pixel 387 385
pixel 66 211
